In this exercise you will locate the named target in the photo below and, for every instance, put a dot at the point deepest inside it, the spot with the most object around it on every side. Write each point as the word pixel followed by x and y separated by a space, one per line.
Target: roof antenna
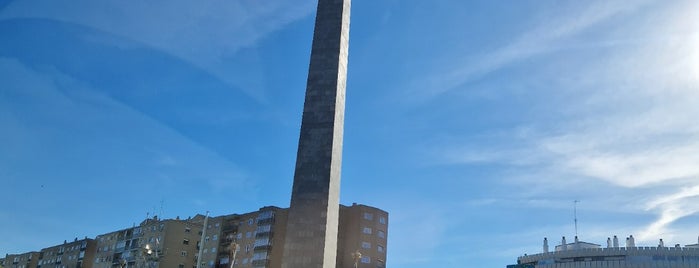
pixel 575 215
pixel 161 208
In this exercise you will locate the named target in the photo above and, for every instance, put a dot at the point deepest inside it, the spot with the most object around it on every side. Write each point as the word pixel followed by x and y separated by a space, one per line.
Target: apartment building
pixel 23 260
pixel 175 243
pixel 364 229
pixel 260 238
pixel 579 254
pixel 78 253
pixel 154 243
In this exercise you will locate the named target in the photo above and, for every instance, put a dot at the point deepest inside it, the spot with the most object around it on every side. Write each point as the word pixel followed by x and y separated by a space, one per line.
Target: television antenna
pixel 575 215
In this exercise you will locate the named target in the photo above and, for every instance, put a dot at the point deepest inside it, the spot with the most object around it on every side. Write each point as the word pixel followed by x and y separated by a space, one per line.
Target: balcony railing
pixel 263 248
pixel 264 234
pixel 260 263
pixel 266 221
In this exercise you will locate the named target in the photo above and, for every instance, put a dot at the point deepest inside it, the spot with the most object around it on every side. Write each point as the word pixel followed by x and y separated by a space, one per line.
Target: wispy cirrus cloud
pixel 545 38
pixel 631 123
pixel 207 35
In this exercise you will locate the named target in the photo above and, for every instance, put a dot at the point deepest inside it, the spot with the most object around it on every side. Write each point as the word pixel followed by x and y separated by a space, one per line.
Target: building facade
pixel 76 254
pixel 364 229
pixel 581 254
pixel 154 243
pixel 260 238
pixel 176 243
pixel 23 260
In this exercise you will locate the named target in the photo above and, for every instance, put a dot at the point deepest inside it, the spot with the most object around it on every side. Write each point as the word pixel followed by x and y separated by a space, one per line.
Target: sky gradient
pixel 475 124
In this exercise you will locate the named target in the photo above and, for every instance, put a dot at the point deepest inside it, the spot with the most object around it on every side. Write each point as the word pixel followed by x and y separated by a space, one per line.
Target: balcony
pixel 260 263
pixel 263 248
pixel 230 228
pixel 267 221
pixel 264 234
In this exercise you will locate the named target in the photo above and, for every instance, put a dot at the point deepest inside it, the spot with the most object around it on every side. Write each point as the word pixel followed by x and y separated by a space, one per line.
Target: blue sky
pixel 476 124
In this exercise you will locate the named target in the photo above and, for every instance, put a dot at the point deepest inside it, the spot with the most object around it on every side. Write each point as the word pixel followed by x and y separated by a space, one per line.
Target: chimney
pixel 616 242
pixel 577 243
pixel 632 241
pixel 609 242
pixel 661 244
pixel 564 245
pixel 546 245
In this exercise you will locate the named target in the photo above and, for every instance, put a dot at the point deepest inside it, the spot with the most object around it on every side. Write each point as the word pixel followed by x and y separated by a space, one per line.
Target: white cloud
pixel 632 124
pixel 206 34
pixel 74 117
pixel 534 42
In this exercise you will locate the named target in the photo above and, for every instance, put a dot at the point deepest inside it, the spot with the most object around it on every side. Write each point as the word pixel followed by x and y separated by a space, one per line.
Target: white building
pixel 580 254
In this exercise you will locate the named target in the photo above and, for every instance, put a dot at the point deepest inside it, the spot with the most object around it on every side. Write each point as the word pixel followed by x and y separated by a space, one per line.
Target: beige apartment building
pixel 171 243
pixel 78 253
pixel 23 260
pixel 175 243
pixel 260 238
pixel 364 229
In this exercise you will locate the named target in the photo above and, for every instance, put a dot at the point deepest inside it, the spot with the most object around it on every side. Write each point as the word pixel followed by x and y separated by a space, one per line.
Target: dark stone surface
pixel 311 236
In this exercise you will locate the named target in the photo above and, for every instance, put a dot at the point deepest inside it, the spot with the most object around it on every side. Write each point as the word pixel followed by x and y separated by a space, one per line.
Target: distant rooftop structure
pixel 583 254
pixel 577 244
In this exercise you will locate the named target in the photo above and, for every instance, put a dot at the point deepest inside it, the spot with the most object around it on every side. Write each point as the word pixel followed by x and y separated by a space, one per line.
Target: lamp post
pixel 356 256
pixel 147 255
pixel 233 251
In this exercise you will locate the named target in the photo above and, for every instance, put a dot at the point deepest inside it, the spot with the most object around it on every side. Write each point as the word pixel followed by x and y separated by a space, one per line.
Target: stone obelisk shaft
pixel 311 235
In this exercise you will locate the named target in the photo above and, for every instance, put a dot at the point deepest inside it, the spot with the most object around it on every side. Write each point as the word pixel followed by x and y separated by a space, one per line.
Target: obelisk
pixel 311 234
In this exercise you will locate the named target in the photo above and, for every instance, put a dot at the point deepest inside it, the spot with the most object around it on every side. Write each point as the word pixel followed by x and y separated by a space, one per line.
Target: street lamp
pixel 148 255
pixel 233 250
pixel 356 256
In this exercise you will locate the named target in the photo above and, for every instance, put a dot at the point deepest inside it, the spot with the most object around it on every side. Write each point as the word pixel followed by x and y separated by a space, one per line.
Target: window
pixel 382 234
pixel 368 216
pixel 185 242
pixel 366 245
pixel 187 230
pixel 367 230
pixel 248 235
pixel 245 261
pixel 218 224
pixel 206 250
pixel 366 259
pixel 382 220
pixel 183 253
pixel 379 248
pixel 180 266
pixel 206 239
pixel 215 237
pixel 240 236
pixel 250 222
pixel 213 250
